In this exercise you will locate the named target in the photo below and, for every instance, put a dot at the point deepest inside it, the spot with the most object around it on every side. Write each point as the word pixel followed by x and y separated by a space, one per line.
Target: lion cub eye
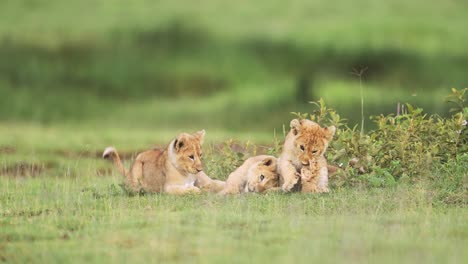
pixel 191 157
pixel 302 147
pixel 262 177
pixel 314 151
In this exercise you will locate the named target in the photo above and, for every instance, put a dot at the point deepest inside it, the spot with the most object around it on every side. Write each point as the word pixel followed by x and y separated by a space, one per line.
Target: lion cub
pixel 256 174
pixel 176 169
pixel 305 141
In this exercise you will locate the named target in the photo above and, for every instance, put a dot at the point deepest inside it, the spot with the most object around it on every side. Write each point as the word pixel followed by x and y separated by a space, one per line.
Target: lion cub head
pixel 310 140
pixel 185 152
pixel 262 176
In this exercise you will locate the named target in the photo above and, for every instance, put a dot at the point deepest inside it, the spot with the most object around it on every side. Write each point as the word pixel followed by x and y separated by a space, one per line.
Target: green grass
pixel 77 76
pixel 53 219
pixel 67 206
pixel 304 21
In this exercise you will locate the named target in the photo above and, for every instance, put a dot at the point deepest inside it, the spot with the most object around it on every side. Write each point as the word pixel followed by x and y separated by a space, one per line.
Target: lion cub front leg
pixel 290 176
pixel 181 189
pixel 207 184
pixel 228 191
pixel 323 180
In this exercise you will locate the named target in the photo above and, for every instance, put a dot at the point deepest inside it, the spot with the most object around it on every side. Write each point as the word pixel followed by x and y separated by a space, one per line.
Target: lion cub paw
pixel 306 174
pixel 289 185
pixel 194 190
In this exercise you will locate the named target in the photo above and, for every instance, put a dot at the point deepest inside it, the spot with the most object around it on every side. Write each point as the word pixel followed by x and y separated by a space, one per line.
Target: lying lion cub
pixel 306 141
pixel 175 170
pixel 257 174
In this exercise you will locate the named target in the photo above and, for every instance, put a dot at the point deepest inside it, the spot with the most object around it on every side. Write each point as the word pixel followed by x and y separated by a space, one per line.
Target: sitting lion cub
pixel 175 170
pixel 256 174
pixel 306 141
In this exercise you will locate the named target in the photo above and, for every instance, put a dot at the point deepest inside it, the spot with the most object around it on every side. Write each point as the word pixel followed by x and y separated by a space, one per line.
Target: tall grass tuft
pixel 359 73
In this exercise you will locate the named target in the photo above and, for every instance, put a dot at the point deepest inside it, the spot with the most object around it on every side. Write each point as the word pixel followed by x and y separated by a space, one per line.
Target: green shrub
pixel 222 159
pixel 403 148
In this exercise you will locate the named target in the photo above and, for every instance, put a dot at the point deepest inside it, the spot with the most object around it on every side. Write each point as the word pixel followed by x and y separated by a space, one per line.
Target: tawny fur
pixel 176 169
pixel 256 174
pixel 311 175
pixel 205 183
pixel 305 141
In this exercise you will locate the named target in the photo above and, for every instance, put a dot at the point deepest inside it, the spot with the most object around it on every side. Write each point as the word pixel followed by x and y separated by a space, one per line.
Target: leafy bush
pixel 404 147
pixel 233 155
pixel 410 147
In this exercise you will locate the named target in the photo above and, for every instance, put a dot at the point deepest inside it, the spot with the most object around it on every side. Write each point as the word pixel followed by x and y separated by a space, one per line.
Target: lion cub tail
pixel 111 153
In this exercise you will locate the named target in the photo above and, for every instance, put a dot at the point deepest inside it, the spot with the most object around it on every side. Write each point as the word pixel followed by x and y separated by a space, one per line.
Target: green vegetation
pixel 62 203
pixel 410 147
pixel 77 76
pixel 214 63
pixel 403 147
pixel 90 219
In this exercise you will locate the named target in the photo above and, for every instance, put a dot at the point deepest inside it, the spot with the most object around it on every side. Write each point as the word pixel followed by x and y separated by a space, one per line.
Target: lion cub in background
pixel 176 169
pixel 256 174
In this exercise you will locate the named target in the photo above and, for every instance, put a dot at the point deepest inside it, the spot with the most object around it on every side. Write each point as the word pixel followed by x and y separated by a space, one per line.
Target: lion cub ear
pixel 329 132
pixel 178 143
pixel 200 135
pixel 269 162
pixel 295 126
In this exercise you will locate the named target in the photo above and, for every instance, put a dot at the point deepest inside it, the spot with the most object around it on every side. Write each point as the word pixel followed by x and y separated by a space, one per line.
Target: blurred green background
pixel 224 65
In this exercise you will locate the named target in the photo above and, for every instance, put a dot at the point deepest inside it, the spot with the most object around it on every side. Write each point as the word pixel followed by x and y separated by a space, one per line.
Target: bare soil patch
pixel 24 169
pixel 7 150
